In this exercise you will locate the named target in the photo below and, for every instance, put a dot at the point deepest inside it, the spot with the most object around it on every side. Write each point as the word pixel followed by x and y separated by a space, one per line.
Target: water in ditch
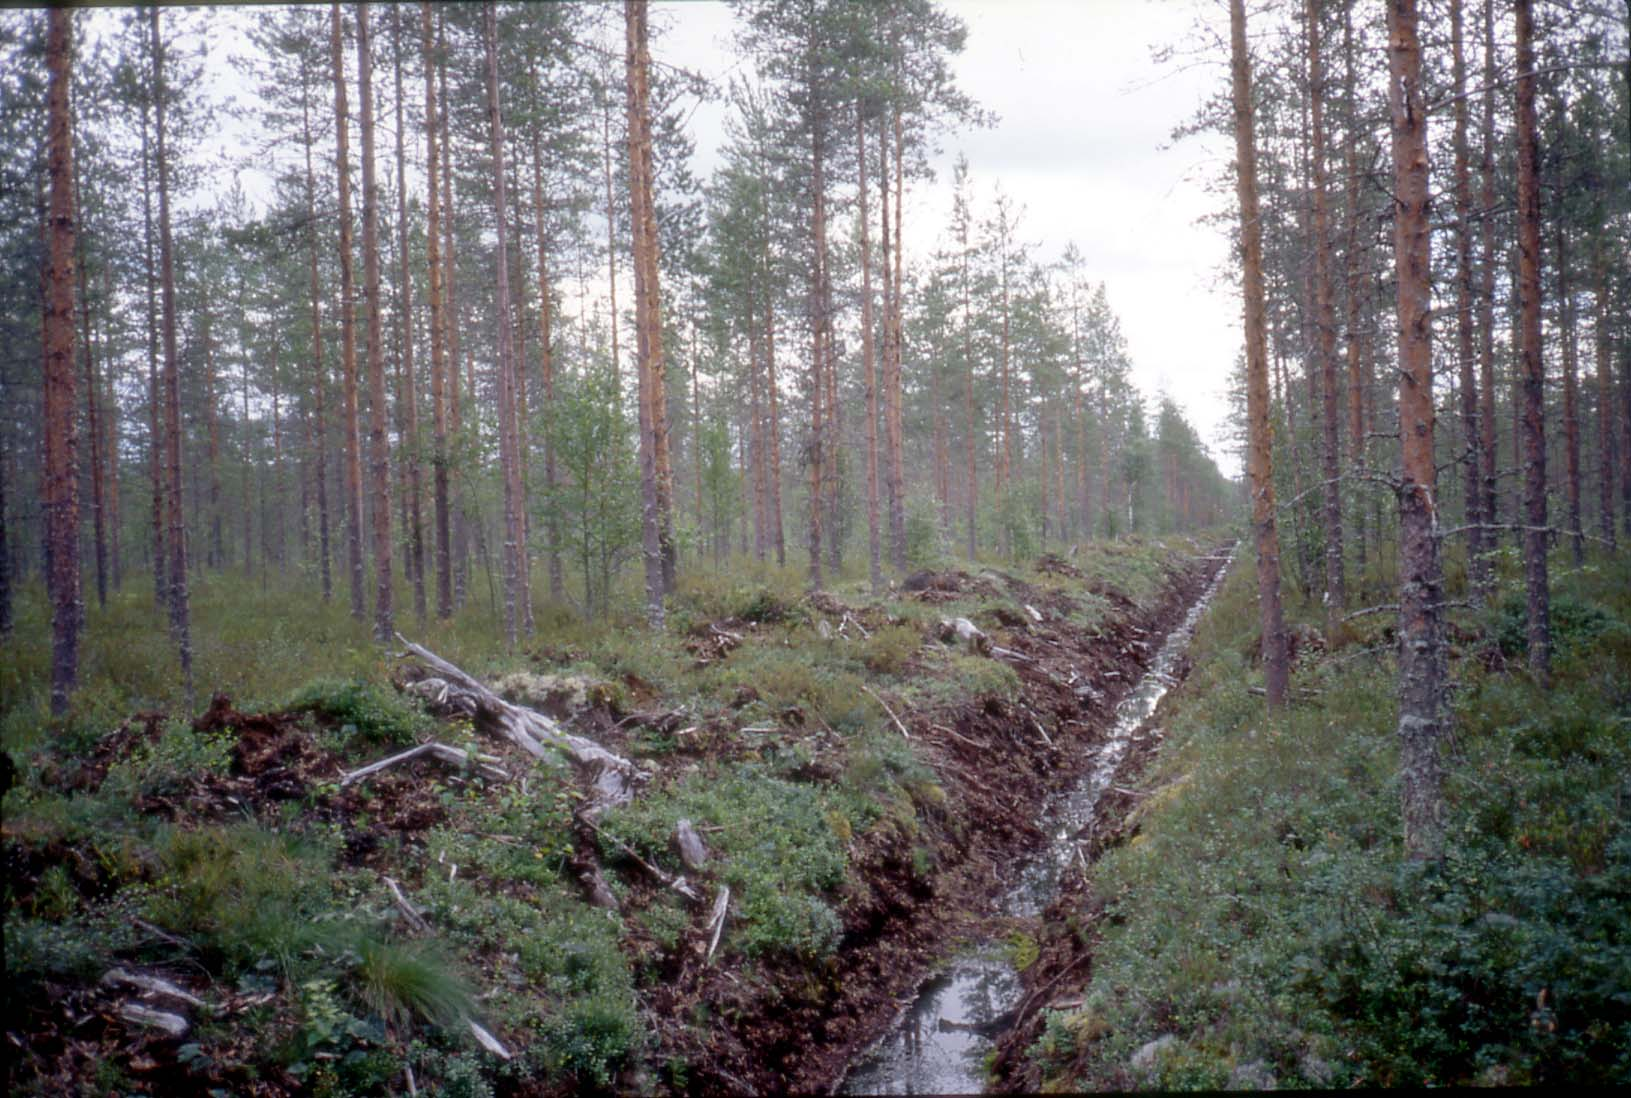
pixel 941 1041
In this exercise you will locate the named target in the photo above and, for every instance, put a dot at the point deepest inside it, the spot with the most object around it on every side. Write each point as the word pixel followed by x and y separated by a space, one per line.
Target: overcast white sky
pixel 1082 143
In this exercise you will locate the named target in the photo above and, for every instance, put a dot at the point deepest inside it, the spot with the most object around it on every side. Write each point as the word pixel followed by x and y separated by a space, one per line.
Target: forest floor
pixel 861 785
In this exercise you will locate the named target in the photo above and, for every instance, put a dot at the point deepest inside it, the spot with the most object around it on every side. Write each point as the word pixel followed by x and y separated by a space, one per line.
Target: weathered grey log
pixel 1036 615
pixel 152 985
pixel 173 1024
pixel 961 629
pixel 611 777
pixel 440 751
pixel 415 917
pixel 678 884
pixel 692 850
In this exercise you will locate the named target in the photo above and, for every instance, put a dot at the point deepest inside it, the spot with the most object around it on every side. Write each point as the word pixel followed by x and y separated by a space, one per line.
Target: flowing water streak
pixel 940 1043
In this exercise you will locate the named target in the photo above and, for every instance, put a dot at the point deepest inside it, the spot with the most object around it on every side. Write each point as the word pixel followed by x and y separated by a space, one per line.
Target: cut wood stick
pixel 678 884
pixel 1002 653
pixel 439 751
pixel 487 1040
pixel 716 919
pixel 414 915
pixel 152 985
pixel 956 735
pixel 871 694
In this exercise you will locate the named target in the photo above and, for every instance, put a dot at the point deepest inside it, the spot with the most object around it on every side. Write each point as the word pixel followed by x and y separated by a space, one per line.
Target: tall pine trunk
pixel 176 534
pixel 1325 334
pixel 1421 582
pixel 348 321
pixel 1260 444
pixel 1465 351
pixel 868 368
pixel 438 327
pixel 1529 304
pixel 61 475
pixel 546 363
pixel 1571 396
pixel 515 585
pixel 319 382
pixel 409 444
pixel 379 468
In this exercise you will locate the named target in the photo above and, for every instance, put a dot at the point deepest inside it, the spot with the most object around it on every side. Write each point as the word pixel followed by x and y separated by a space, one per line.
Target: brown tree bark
pixel 1465 352
pixel 60 483
pixel 93 396
pixel 348 321
pixel 155 403
pixel 773 391
pixel 1421 582
pixel 972 439
pixel 1356 283
pixel 612 314
pixel 438 327
pixel 515 580
pixel 1483 574
pixel 1260 445
pixel 656 474
pixel 1325 324
pixel 546 361
pixel 319 373
pixel 868 370
pixel 215 555
pixel 379 466
pixel 1605 401
pixel 896 479
pixel 457 505
pixel 410 444
pixel 1534 428
pixel 176 534
pixel 1571 396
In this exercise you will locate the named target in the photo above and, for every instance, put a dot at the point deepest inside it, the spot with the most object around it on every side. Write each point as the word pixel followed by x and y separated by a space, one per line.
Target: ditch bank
pixel 922 889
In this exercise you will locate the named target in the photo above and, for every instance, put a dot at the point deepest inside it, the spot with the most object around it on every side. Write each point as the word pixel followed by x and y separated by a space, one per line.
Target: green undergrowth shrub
pixel 364 710
pixel 1265 922
pixel 776 846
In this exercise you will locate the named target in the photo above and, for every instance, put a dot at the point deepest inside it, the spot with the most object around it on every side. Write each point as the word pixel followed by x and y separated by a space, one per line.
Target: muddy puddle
pixel 941 1042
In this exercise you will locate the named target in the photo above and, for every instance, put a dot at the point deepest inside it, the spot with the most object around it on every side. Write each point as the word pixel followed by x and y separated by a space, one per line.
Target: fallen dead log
pixel 487 1040
pixel 439 751
pixel 965 631
pixel 678 884
pixel 149 985
pixel 415 917
pixel 611 777
pixel 871 694
pixel 173 1024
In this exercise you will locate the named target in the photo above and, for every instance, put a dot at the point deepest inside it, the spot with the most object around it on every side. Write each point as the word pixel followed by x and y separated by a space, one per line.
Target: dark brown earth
pixel 797 1030
pixel 775 1026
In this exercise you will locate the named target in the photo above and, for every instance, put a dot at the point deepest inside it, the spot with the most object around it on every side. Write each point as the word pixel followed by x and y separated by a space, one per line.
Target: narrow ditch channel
pixel 940 1042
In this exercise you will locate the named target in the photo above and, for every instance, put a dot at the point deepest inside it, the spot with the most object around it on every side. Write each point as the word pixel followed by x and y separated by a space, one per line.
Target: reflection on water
pixel 940 1044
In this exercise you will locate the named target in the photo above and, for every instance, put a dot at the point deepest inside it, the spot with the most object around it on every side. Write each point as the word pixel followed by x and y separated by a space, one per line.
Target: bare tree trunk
pixel 1325 324
pixel 438 328
pixel 1260 447
pixel 968 394
pixel 818 244
pixel 515 589
pixel 1534 427
pixel 416 483
pixel 1571 396
pixel 1484 571
pixel 656 475
pixel 155 403
pixel 348 321
pixel 319 374
pixel 896 478
pixel 61 479
pixel 1421 582
pixel 546 358
pixel 216 555
pixel 611 259
pixel 379 466
pixel 1605 402
pixel 1464 303
pixel 874 559
pixel 177 533
pixel 774 426
pixel 1356 282
pixel 457 506
pixel 93 398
